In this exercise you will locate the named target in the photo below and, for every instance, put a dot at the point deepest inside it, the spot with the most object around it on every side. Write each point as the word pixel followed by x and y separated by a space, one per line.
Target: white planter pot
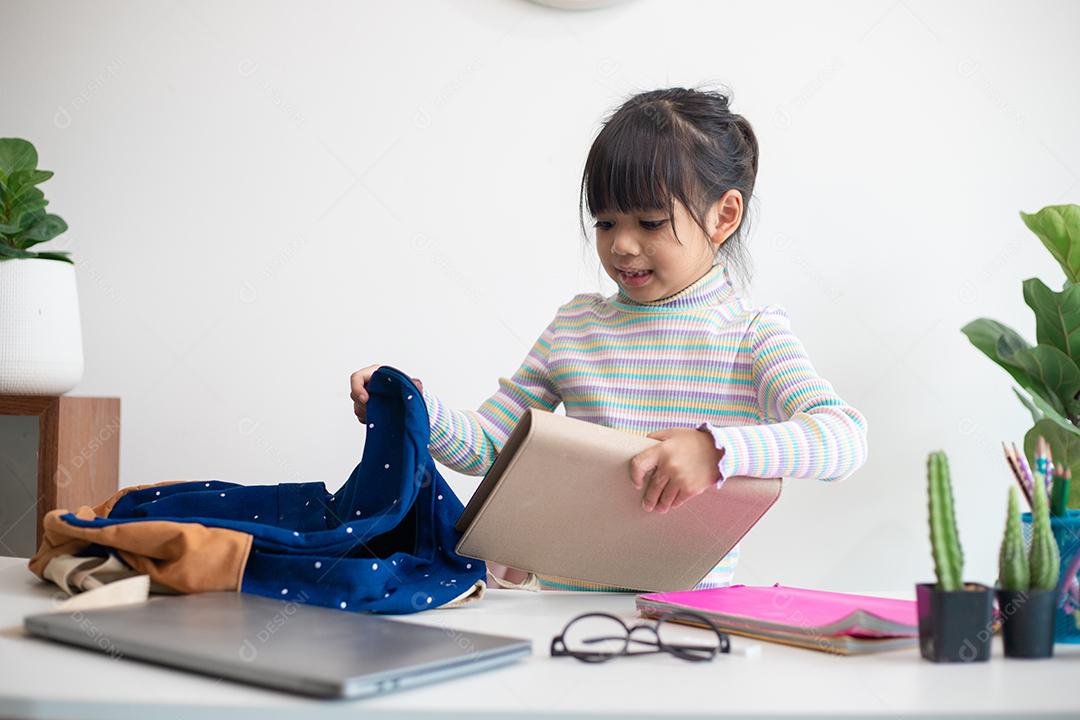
pixel 40 337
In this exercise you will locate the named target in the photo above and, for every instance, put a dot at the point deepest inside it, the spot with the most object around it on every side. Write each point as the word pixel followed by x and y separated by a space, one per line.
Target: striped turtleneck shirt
pixel 700 358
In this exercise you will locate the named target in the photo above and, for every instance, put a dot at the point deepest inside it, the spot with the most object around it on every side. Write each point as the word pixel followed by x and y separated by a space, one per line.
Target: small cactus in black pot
pixel 955 618
pixel 1027 580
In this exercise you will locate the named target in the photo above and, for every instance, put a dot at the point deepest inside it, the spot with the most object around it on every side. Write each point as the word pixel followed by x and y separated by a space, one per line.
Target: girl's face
pixel 640 252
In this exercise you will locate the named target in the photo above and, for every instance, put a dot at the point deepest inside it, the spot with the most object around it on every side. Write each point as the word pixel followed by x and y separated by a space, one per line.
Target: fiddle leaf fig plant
pixel 23 220
pixel 1058 226
pixel 1049 370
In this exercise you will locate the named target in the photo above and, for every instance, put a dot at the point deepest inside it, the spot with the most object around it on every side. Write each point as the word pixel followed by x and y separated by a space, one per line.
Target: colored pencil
pixel 1059 496
pixel 1029 480
pixel 1045 463
pixel 1014 466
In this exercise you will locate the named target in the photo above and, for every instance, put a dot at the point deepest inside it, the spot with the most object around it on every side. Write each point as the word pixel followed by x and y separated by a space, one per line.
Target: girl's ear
pixel 725 216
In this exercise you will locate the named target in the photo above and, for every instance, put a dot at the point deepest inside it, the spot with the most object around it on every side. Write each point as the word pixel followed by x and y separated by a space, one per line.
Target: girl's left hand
pixel 683 464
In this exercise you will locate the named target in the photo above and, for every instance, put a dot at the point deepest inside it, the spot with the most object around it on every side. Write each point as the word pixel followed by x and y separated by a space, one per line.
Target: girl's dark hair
pixel 670 144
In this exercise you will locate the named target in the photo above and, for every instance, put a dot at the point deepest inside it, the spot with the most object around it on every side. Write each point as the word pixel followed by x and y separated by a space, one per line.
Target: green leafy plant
pixel 944 538
pixel 1048 371
pixel 23 220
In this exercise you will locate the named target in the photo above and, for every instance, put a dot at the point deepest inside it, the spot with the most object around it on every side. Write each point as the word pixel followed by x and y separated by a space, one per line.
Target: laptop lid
pixel 281 644
pixel 558 501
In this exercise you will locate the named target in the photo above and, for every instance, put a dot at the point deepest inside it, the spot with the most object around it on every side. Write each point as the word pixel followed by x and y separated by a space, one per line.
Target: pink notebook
pixel 837 622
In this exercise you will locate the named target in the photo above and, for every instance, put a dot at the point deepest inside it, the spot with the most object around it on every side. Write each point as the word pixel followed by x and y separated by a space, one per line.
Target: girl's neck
pixel 712 288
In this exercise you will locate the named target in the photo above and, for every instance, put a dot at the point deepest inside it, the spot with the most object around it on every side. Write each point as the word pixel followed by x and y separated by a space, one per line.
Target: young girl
pixel 676 353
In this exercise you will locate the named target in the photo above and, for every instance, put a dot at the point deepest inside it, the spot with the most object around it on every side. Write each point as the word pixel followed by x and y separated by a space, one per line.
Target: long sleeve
pixel 468 440
pixel 811 432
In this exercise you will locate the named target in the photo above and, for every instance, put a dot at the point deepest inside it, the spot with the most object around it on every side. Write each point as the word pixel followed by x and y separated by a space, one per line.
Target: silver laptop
pixel 284 645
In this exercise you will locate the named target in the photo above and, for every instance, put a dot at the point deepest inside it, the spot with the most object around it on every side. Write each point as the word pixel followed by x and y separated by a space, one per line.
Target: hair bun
pixel 719 99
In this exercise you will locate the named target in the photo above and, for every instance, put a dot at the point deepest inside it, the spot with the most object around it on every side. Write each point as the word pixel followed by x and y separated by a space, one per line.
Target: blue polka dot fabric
pixel 382 543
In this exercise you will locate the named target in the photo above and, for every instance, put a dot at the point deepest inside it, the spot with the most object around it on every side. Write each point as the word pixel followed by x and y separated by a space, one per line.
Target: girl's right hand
pixel 358 390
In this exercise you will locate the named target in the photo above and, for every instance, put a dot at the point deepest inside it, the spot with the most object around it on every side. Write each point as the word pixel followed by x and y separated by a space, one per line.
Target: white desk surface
pixel 42 679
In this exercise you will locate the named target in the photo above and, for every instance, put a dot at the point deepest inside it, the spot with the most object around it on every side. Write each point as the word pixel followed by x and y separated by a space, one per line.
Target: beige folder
pixel 558 500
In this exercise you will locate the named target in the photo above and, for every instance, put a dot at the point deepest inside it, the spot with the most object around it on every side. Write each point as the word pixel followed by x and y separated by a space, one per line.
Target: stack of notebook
pixel 831 622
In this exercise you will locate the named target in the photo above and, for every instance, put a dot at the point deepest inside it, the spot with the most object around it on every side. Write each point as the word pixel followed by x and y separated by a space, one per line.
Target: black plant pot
pixel 1027 622
pixel 955 626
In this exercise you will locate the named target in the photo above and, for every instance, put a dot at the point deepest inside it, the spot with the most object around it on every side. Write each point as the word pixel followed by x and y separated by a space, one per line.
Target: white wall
pixel 266 196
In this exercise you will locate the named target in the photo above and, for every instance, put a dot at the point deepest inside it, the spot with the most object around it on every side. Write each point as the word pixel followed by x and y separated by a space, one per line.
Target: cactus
pixel 944 540
pixel 1013 571
pixel 1045 559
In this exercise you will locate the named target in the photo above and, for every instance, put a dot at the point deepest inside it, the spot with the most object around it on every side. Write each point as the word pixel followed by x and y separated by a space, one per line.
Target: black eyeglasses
pixel 598 637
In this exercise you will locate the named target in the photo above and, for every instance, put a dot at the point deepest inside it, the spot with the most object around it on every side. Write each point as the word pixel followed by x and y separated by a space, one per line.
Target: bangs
pixel 634 165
